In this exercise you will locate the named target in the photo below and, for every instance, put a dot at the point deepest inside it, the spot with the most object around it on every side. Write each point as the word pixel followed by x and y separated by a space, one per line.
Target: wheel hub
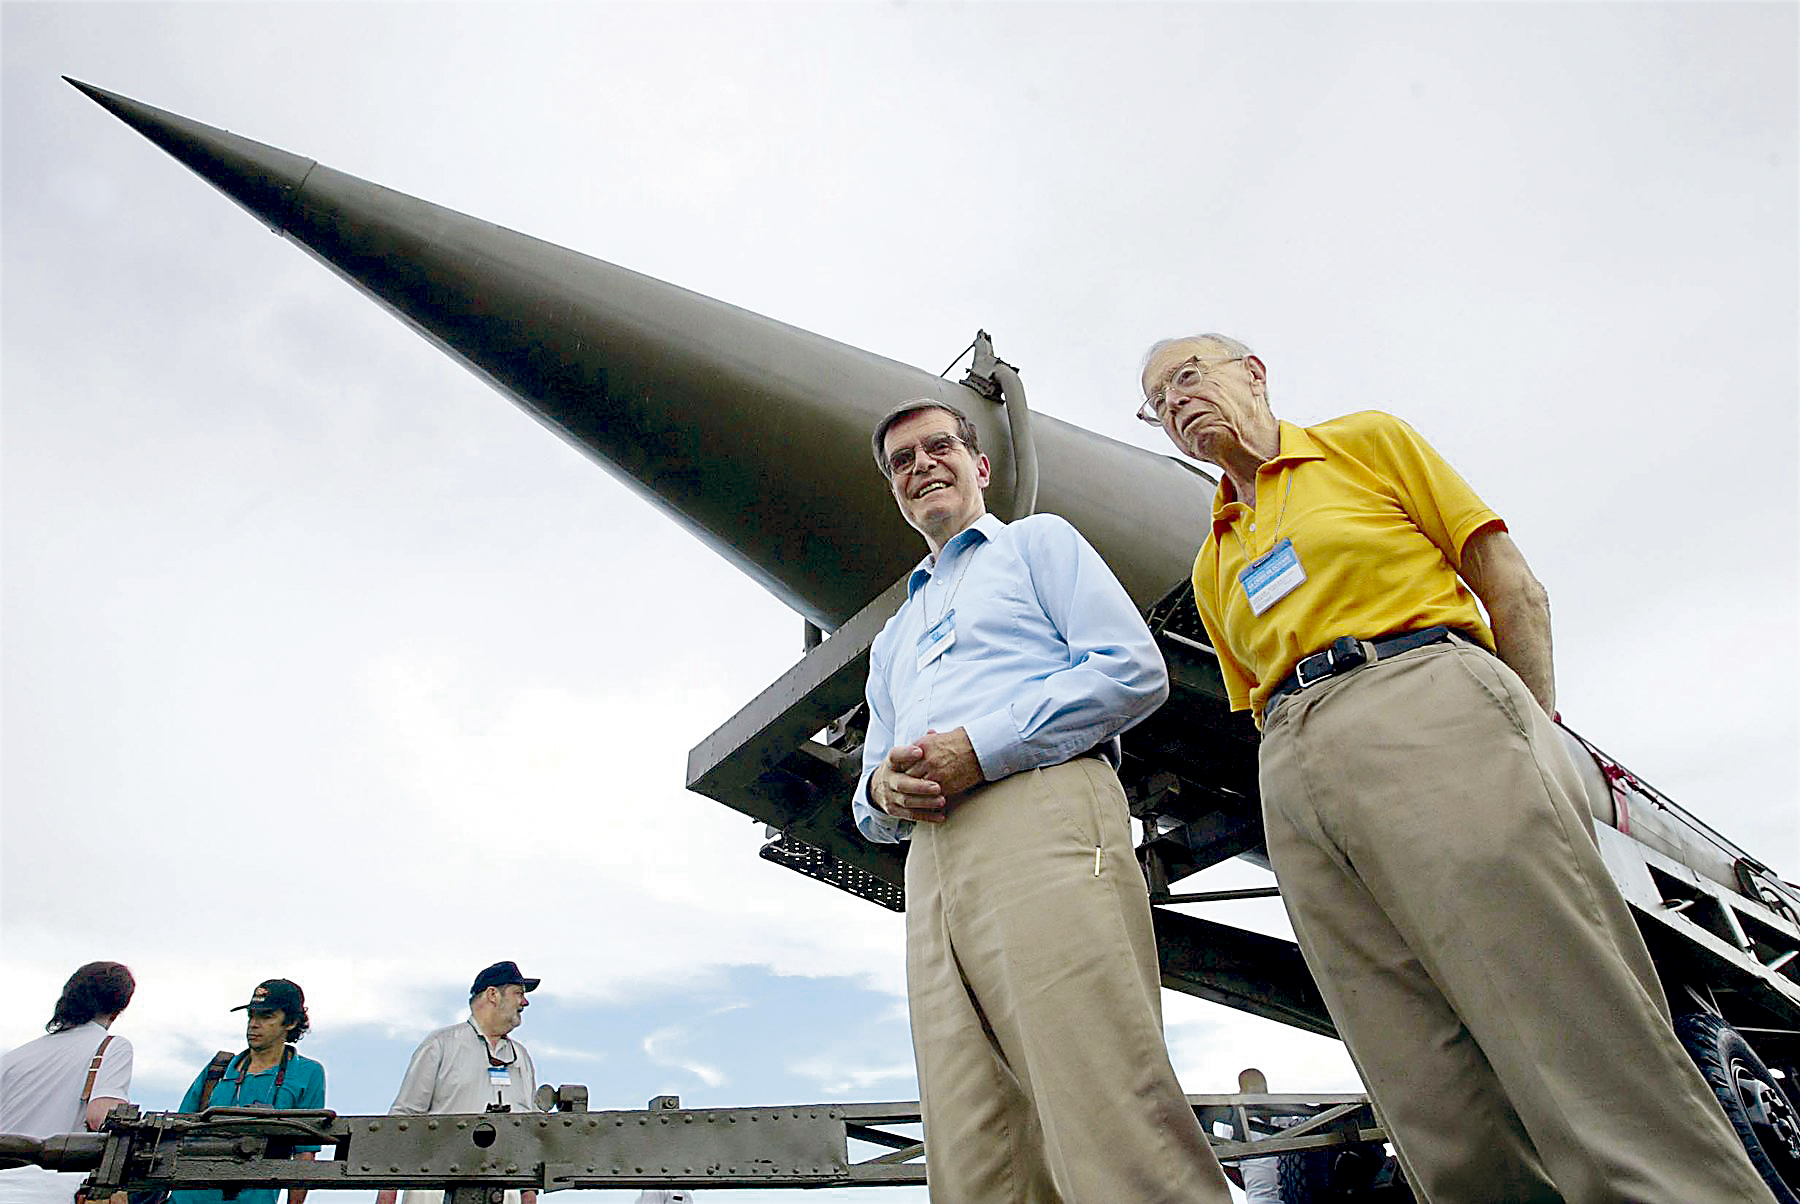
pixel 1768 1110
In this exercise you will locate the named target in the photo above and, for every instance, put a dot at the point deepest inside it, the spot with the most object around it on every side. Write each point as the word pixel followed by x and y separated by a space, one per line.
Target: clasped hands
pixel 919 781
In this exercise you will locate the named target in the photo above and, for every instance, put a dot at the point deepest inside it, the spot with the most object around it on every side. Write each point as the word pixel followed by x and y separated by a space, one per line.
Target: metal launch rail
pixel 663 1146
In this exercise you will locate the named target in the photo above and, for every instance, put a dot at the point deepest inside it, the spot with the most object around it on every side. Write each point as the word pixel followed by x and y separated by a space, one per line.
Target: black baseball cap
pixel 276 995
pixel 502 974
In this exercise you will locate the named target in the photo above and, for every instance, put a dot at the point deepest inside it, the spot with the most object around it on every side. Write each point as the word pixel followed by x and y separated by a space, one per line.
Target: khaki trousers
pixel 1036 1015
pixel 1433 849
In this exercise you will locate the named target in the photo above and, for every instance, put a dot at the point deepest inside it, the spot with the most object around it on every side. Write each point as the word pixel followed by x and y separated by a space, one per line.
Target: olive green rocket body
pixel 751 433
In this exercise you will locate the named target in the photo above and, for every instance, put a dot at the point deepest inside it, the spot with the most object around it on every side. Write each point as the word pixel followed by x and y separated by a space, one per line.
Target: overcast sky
pixel 323 660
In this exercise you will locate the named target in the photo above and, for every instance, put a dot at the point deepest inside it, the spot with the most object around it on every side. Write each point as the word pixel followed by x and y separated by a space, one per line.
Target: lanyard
pixel 237 1086
pixel 493 1059
pixel 930 623
pixel 968 559
pixel 1280 515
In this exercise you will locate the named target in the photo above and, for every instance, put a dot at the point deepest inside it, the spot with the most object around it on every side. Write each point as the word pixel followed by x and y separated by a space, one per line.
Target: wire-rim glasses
pixel 1187 376
pixel 938 446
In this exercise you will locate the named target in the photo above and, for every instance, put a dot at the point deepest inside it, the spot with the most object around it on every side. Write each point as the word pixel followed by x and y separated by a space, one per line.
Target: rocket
pixel 754 435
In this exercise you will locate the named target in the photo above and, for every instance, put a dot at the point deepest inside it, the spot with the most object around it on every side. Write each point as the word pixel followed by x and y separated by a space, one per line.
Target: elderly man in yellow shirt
pixel 1427 827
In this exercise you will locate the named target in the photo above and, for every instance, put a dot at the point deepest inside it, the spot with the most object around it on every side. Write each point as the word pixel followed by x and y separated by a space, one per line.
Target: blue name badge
pixel 1272 576
pixel 497 1076
pixel 937 641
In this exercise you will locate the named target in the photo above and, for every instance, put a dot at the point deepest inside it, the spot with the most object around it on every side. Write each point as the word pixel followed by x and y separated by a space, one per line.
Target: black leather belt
pixel 1347 652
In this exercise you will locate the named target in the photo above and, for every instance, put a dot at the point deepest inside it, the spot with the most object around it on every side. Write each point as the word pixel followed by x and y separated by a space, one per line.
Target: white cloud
pixel 838 1079
pixel 664 1047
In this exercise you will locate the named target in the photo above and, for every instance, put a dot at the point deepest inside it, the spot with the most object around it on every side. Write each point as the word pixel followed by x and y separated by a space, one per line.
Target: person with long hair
pixel 67 1080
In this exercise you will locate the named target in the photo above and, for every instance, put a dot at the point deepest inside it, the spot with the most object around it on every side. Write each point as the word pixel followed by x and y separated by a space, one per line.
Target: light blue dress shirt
pixel 1050 657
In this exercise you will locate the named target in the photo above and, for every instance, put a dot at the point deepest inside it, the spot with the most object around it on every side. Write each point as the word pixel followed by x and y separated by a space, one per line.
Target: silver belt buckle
pixel 1300 677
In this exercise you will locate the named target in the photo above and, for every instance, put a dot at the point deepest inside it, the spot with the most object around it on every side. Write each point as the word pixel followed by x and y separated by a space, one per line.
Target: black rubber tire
pixel 1764 1117
pixel 1335 1176
pixel 1306 1178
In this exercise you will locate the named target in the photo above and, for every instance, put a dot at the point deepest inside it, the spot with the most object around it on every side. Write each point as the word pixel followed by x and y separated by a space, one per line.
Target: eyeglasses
pixel 495 1060
pixel 1186 377
pixel 936 446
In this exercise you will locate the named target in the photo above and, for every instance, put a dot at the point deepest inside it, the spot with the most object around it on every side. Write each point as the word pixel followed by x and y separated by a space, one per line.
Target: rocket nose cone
pixel 263 179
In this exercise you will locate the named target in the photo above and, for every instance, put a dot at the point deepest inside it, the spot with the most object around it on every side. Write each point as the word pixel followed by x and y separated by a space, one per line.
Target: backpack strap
pixel 215 1070
pixel 87 1088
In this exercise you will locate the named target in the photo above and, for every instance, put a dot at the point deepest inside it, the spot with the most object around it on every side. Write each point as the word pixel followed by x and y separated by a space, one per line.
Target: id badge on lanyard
pixel 498 1077
pixel 936 641
pixel 1271 577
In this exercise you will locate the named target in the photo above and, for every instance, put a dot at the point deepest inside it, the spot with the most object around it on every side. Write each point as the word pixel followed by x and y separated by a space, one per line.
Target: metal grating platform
pixel 815 862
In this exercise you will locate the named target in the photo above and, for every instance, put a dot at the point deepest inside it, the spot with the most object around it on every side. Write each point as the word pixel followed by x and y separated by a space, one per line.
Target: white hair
pixel 1225 342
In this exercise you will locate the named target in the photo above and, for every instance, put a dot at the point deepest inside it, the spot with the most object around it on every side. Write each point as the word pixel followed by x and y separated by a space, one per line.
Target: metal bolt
pixel 401 1125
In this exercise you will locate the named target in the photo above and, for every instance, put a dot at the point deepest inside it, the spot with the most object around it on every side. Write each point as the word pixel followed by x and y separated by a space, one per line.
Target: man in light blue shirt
pixel 994 698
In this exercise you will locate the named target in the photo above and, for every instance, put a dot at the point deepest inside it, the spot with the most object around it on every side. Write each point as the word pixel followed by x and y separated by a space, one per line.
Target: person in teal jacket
pixel 267 1074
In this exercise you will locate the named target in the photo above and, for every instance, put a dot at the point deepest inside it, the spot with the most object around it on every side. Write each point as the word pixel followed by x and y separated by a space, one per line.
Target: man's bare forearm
pixel 1522 638
pixel 1518 609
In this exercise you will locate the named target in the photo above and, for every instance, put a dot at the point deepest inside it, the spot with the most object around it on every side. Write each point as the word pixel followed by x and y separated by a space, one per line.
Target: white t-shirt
pixel 41 1081
pixel 40 1096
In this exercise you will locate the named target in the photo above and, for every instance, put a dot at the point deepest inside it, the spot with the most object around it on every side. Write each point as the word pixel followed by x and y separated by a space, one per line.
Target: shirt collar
pixel 1297 446
pixel 987 527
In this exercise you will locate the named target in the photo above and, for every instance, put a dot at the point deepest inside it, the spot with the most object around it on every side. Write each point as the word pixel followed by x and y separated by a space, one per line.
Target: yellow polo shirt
pixel 1378 520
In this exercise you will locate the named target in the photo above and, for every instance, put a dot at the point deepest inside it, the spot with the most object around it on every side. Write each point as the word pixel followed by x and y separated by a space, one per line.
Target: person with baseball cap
pixel 266 1074
pixel 474 1065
